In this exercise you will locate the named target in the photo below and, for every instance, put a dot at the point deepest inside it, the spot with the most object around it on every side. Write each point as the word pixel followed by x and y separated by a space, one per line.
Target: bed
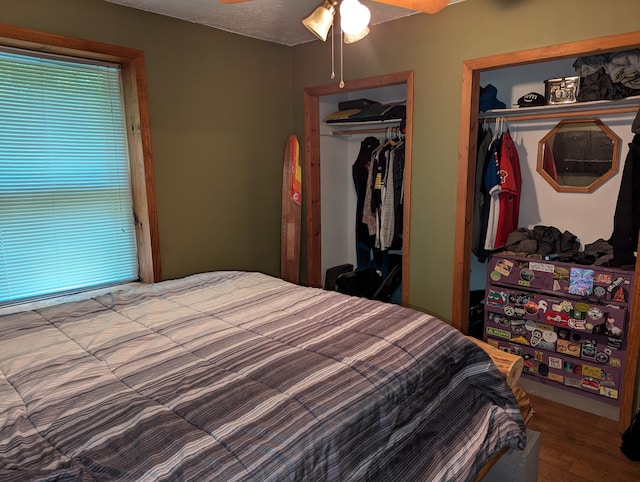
pixel 236 376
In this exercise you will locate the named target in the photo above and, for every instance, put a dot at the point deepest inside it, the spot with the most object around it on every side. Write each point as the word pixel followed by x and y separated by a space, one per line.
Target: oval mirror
pixel 578 155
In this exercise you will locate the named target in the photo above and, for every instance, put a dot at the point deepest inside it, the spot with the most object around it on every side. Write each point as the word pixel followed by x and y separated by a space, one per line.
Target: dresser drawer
pixel 597 349
pixel 587 316
pixel 561 370
pixel 597 283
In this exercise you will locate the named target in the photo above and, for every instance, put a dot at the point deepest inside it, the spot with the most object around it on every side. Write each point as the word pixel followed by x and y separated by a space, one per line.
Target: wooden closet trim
pixel 471 70
pixel 311 103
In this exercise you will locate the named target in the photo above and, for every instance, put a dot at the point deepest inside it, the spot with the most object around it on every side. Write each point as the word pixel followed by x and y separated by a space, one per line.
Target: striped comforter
pixel 240 376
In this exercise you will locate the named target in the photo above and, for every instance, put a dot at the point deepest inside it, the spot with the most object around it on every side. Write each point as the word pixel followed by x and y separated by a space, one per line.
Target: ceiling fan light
pixel 354 17
pixel 321 20
pixel 352 38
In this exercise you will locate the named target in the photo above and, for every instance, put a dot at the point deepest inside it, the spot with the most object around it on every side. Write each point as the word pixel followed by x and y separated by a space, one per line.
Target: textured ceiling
pixel 278 21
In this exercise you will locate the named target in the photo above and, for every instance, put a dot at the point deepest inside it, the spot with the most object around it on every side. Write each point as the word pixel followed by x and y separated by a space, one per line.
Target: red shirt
pixel 511 186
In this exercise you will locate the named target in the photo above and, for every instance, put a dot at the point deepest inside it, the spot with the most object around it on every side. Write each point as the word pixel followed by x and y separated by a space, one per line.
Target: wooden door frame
pixel 471 70
pixel 312 169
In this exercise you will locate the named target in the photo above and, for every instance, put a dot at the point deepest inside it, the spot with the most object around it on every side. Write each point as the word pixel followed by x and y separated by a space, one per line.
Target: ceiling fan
pixel 354 20
pixel 355 17
pixel 426 6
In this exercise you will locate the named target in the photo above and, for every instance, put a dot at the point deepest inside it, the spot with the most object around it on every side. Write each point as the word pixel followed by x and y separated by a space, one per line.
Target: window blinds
pixel 66 215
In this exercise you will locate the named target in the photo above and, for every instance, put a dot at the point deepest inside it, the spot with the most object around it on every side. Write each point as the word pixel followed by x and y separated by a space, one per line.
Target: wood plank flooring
pixel 579 446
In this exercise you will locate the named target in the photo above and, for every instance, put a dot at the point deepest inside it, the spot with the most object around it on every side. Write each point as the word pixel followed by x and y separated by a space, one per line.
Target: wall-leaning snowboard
pixel 291 212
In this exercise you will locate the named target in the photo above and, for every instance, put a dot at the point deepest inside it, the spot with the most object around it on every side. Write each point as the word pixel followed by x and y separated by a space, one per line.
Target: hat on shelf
pixel 532 99
pixel 489 99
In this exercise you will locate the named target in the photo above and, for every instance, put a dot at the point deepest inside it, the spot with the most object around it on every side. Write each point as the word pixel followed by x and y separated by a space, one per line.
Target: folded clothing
pixel 376 112
pixel 542 240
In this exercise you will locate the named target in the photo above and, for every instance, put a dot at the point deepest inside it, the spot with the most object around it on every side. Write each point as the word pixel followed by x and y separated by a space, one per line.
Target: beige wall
pixel 220 107
pixel 435 47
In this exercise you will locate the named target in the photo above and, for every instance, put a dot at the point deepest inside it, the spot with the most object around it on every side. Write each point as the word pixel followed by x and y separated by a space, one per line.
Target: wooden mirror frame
pixel 469 108
pixel 613 169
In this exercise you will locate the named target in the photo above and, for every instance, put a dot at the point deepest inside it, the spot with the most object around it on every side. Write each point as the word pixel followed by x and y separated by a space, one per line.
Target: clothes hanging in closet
pixel 500 195
pixel 492 187
pixel 360 171
pixel 510 189
pixel 382 203
pixel 626 221
pixel 481 201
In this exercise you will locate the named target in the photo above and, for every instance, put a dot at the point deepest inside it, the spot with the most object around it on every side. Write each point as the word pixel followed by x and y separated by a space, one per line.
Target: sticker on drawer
pixel 589 371
pixel 603 278
pixel 555 362
pixel 504 267
pixel 590 384
pixel 497 298
pixel 560 278
pixel 581 281
pixel 543 339
pixel 615 284
pixel 568 348
pixel 589 350
pixel 609 392
pixel 608 326
pixel 508 348
pixel 558 319
pixel 499 333
pixel 544 267
pixel 578 324
pixel 555 377
pixel 499 319
pixel 572 382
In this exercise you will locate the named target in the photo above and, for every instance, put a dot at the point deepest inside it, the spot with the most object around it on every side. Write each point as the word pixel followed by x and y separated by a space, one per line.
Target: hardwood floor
pixel 578 446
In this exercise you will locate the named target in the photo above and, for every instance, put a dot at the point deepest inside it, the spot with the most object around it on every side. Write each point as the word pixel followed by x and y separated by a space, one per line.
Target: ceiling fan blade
pixel 426 6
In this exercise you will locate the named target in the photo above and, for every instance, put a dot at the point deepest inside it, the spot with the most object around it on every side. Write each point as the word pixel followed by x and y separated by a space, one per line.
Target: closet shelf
pixel 351 128
pixel 555 111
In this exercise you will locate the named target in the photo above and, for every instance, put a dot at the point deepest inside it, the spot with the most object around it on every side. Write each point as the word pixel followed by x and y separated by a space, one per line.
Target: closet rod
pixel 377 130
pixel 564 114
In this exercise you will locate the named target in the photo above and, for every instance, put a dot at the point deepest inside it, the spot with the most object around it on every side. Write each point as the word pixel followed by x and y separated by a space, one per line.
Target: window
pixel 74 160
pixel 66 216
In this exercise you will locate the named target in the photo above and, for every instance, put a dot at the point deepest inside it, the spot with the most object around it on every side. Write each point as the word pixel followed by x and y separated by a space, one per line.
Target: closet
pixel 474 74
pixel 540 203
pixel 330 151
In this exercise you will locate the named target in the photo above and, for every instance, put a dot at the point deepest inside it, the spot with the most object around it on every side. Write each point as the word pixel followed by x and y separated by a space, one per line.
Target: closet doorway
pixel 312 168
pixel 471 71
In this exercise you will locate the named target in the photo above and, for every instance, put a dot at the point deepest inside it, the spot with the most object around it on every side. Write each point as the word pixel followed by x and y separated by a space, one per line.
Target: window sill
pixel 57 300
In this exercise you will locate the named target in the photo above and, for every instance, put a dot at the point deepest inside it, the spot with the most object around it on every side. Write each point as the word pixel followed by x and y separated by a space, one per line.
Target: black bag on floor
pixel 361 282
pixel 631 439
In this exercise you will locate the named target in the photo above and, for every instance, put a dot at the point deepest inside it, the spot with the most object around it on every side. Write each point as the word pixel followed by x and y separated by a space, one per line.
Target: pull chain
pixel 333 62
pixel 341 84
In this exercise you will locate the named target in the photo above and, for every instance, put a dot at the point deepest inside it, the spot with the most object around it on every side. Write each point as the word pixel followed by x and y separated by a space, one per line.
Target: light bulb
pixel 354 17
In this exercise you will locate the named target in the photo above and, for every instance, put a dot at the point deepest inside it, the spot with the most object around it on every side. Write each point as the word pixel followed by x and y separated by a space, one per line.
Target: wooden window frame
pixel 136 106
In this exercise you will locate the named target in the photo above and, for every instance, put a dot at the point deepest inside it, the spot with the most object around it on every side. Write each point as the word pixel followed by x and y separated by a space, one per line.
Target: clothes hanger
pixel 496 129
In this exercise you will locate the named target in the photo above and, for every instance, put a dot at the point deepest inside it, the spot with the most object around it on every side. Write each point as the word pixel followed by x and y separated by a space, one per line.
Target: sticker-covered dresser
pixel 568 321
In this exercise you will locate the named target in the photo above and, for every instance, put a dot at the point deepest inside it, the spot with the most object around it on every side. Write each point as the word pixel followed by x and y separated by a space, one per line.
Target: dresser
pixel 568 321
